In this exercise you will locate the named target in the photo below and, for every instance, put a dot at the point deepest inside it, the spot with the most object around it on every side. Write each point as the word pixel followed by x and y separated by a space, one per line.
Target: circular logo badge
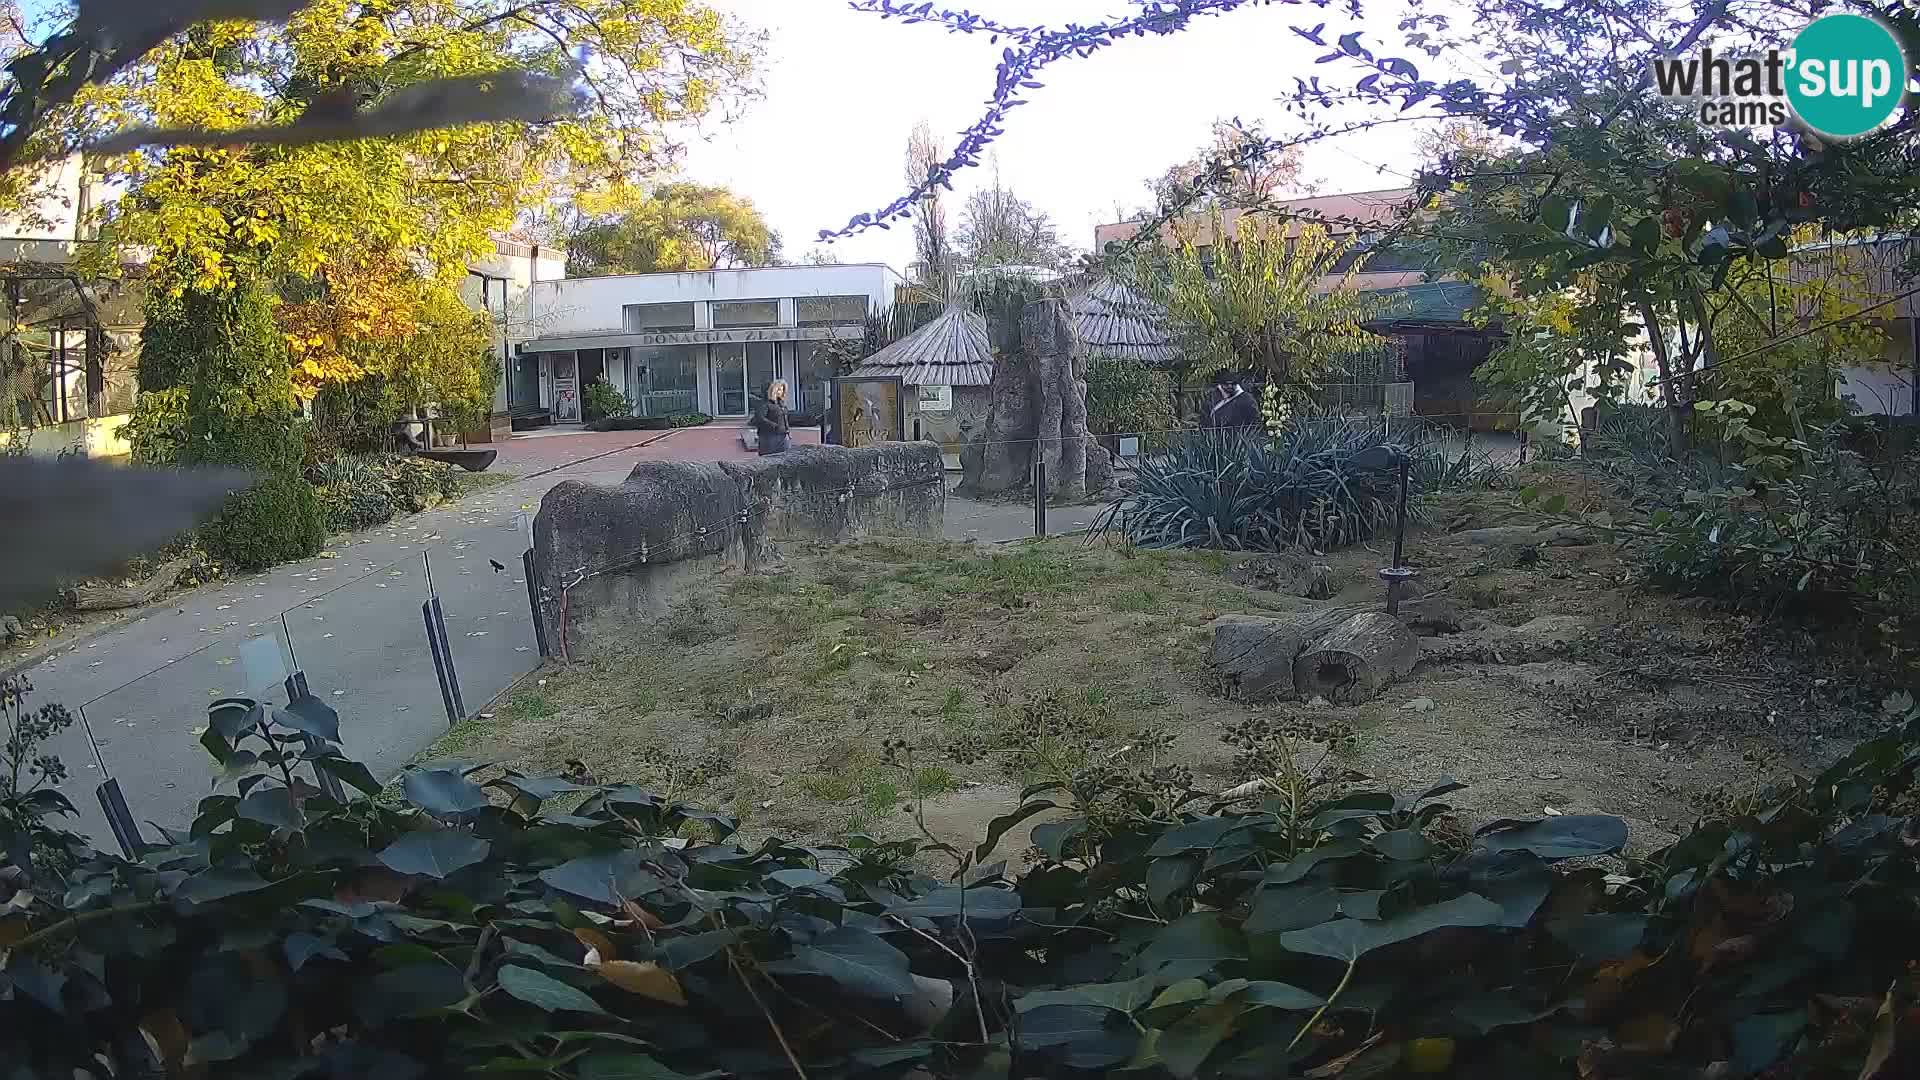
pixel 1848 75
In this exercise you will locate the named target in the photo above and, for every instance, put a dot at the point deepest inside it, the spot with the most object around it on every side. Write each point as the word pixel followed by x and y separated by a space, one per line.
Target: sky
pixel 843 91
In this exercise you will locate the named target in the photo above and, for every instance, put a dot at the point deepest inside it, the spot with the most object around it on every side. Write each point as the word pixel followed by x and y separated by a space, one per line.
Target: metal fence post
pixel 439 662
pixel 528 562
pixel 120 819
pixel 1039 490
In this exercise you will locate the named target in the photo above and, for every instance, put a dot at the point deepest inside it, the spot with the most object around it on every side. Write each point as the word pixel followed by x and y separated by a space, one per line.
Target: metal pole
pixel 528 562
pixel 1039 491
pixel 446 649
pixel 1400 518
pixel 439 662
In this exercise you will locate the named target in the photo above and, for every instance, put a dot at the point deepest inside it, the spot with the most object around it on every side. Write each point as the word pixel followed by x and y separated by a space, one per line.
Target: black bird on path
pixel 497 565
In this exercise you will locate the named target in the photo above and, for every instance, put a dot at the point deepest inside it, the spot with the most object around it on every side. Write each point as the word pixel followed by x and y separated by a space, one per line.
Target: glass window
pixel 658 318
pixel 664 380
pixel 813 372
pixel 732 313
pixel 831 310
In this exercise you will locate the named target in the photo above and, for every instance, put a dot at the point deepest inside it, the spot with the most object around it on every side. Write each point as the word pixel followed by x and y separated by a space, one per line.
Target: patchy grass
pixel 470 483
pixel 872 686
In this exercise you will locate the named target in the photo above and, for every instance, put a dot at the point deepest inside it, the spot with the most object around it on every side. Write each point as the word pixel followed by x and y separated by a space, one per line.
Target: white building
pixel 707 341
pixel 498 285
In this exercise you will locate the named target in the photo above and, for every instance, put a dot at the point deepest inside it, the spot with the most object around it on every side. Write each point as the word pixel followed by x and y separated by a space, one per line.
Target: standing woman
pixel 771 421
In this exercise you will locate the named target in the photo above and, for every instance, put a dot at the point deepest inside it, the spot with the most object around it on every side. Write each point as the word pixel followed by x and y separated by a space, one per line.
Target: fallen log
pixel 107 597
pixel 1254 654
pixel 1353 661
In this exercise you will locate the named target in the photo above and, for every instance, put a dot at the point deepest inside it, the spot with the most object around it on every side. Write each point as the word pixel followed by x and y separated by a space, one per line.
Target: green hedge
pixel 359 492
pixel 649 423
pixel 551 926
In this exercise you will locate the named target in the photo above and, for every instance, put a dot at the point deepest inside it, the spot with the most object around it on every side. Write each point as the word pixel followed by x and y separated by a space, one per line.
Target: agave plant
pixel 1322 483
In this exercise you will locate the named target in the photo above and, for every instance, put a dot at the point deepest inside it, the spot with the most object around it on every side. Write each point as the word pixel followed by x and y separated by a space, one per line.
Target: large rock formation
pixel 1038 400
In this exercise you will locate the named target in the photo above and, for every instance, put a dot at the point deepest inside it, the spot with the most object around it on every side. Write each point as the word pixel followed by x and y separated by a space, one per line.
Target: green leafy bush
pixel 600 401
pixel 1126 397
pixel 158 426
pixel 1246 491
pixel 356 494
pixel 275 521
pixel 1282 929
pixel 649 423
pixel 419 483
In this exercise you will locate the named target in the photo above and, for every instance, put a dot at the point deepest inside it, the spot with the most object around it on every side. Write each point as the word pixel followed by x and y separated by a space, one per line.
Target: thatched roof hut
pixel 1117 323
pixel 952 350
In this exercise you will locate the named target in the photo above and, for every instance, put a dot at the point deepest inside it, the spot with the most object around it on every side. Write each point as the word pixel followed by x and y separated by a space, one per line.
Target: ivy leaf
pixel 1569 836
pixel 407 991
pixel 1292 907
pixel 1201 835
pixel 1403 845
pixel 1087 1039
pixel 1200 936
pixel 443 792
pixel 270 806
pixel 434 854
pixel 859 961
pixel 1349 939
pixel 613 1066
pixel 605 879
pixel 218 884
pixel 543 991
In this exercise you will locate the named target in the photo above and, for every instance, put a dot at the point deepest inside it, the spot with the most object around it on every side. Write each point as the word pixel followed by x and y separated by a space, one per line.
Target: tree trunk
pixel 1254 654
pixel 1355 660
pixel 1676 415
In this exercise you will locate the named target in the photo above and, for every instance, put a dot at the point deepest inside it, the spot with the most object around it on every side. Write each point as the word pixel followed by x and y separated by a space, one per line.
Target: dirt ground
pixel 881 686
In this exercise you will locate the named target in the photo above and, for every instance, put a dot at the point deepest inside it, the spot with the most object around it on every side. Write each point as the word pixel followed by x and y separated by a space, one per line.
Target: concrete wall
pixel 99 437
pixel 610 557
pixel 594 305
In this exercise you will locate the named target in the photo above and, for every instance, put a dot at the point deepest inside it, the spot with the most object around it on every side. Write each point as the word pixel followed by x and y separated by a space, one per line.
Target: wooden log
pixel 1254 654
pixel 1354 660
pixel 106 597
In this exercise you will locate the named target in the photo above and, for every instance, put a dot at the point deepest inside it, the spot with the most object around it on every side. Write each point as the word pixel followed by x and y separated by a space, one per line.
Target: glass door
pixel 760 373
pixel 730 379
pixel 566 389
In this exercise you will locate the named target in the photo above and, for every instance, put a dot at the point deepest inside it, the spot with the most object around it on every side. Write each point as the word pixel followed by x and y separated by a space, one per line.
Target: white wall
pixel 593 305
pixel 514 263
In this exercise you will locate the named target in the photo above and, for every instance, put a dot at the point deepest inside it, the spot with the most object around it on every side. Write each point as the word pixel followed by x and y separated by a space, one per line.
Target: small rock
pixel 1548 776
pixel 1318 700
pixel 1419 704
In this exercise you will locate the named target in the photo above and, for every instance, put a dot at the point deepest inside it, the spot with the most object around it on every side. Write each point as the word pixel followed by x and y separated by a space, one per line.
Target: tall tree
pixel 354 223
pixel 932 246
pixel 999 228
pixel 1230 171
pixel 678 226
pixel 1259 300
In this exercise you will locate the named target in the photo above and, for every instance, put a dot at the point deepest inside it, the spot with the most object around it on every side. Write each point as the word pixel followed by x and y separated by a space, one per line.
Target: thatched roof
pixel 952 350
pixel 1115 322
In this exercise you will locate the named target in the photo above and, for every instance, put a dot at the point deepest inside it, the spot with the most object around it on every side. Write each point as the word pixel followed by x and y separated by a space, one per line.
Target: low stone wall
pixel 610 556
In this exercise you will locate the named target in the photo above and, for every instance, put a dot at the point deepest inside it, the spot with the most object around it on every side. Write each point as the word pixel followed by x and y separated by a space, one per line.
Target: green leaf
pixel 270 806
pixel 1556 504
pixel 1292 907
pixel 1119 996
pixel 616 1066
pixel 1403 845
pixel 349 771
pixel 433 854
pixel 998 827
pixel 1569 836
pixel 1266 995
pixel 1347 939
pixel 310 716
pixel 1598 938
pixel 977 903
pixel 218 884
pixel 1762 1039
pixel 1529 495
pixel 604 879
pixel 407 992
pixel 1086 1035
pixel 1200 835
pixel 1304 863
pixel 1168 876
pixel 1184 1047
pixel 1490 1011
pixel 543 991
pixel 682 952
pixel 1200 936
pixel 1645 234
pixel 1052 837
pixel 858 960
pixel 300 948
pixel 443 792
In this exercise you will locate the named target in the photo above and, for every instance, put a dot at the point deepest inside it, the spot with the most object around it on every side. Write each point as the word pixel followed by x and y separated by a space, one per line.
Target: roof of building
pixel 952 350
pixel 1430 302
pixel 1368 207
pixel 1112 320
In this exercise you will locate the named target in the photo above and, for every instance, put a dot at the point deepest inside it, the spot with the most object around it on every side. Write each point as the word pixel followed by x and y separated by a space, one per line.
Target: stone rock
pixel 1316 582
pixel 1431 615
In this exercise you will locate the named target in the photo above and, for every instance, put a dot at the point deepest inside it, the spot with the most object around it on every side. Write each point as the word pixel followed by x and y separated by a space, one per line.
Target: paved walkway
pixel 351 619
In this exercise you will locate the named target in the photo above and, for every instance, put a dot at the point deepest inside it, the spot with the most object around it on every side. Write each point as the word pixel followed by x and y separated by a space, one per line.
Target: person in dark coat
pixel 1232 406
pixel 771 422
